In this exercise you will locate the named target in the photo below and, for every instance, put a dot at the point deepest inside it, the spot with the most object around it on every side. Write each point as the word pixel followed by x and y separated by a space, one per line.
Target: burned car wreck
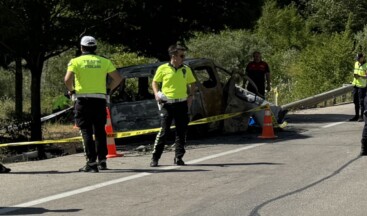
pixel 133 106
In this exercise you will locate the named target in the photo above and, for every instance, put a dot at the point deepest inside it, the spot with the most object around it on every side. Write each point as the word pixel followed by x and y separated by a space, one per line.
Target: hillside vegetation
pixel 309 45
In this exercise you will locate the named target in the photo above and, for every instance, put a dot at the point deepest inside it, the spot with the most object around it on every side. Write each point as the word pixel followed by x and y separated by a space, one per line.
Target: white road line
pixel 333 124
pixel 116 181
pixel 224 153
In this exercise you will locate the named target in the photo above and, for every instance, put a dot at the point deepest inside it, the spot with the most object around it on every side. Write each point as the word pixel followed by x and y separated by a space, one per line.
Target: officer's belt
pixel 170 101
pixel 101 96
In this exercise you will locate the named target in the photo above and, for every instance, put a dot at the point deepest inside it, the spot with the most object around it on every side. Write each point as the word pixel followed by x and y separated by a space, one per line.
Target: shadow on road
pixel 32 210
pixel 42 172
pixel 317 118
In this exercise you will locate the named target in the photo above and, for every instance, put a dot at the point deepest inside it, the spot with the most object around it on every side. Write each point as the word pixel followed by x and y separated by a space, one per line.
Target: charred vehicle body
pixel 133 106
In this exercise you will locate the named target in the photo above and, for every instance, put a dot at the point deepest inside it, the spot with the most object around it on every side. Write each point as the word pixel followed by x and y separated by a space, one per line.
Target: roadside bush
pixel 52 86
pixel 282 28
pixel 361 41
pixel 7 82
pixel 326 64
pixel 123 59
pixel 7 107
pixel 230 49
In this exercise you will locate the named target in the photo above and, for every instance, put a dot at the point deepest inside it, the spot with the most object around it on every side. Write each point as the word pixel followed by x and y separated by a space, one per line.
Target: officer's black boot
pixel 154 163
pixel 355 118
pixel 361 117
pixel 178 162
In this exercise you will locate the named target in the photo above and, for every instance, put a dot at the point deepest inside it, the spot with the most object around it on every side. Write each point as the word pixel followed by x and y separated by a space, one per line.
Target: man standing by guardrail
pixel 258 71
pixel 359 90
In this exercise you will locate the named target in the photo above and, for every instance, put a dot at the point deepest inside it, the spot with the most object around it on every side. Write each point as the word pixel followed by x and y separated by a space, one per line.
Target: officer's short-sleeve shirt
pixel 360 69
pixel 90 73
pixel 174 81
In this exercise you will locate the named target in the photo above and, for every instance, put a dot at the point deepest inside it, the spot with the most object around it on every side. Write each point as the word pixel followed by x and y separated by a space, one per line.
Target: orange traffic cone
pixel 268 131
pixel 111 146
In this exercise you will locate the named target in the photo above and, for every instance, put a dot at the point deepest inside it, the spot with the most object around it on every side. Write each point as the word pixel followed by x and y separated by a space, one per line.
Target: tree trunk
pixel 18 88
pixel 36 130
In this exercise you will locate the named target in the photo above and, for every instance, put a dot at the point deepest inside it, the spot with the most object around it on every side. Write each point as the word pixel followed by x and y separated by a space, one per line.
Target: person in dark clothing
pixel 359 83
pixel 364 132
pixel 259 72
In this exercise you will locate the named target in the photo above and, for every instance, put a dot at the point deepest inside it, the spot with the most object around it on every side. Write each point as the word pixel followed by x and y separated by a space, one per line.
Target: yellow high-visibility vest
pixel 90 73
pixel 360 69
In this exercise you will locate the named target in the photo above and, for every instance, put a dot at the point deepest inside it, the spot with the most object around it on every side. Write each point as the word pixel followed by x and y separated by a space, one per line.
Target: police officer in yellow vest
pixel 359 83
pixel 174 101
pixel 86 81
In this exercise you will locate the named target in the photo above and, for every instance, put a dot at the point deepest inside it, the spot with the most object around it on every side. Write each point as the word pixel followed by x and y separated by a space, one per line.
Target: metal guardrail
pixel 316 99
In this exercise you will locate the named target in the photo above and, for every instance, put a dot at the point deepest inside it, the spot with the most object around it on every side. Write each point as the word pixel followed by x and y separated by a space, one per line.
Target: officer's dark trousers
pixel 364 132
pixel 358 100
pixel 178 113
pixel 90 117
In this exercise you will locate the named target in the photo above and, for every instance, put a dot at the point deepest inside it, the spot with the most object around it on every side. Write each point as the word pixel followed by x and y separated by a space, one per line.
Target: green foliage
pixel 360 41
pixel 282 67
pixel 52 82
pixel 7 83
pixel 230 49
pixel 282 28
pixel 302 63
pixel 285 35
pixel 123 59
pixel 309 48
pixel 327 63
pixel 328 16
pixel 7 107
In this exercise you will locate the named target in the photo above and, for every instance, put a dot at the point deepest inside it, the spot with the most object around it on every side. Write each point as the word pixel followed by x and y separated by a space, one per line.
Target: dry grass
pixel 53 131
pixel 56 131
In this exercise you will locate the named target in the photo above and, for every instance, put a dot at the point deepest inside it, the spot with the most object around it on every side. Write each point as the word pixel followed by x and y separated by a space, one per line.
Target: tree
pixel 229 49
pixel 360 41
pixel 12 53
pixel 326 64
pixel 40 29
pixel 151 26
pixel 37 30
pixel 282 28
pixel 328 16
pixel 6 60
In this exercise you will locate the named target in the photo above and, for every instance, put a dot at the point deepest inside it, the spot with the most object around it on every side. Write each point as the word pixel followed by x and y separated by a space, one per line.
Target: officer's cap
pixel 88 41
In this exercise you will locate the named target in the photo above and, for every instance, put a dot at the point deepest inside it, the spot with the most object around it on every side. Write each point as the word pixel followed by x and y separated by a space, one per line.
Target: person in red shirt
pixel 259 72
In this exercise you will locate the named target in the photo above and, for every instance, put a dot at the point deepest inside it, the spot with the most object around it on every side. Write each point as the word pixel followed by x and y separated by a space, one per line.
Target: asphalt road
pixel 312 168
